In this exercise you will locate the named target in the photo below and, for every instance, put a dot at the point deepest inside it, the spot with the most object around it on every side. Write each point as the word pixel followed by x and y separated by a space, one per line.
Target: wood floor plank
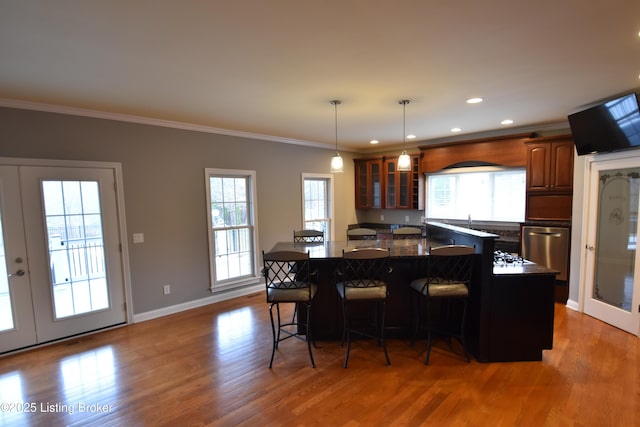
pixel 208 367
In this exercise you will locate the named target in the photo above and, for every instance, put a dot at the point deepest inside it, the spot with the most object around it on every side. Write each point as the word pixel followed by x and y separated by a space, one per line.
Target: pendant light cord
pixel 404 103
pixel 335 106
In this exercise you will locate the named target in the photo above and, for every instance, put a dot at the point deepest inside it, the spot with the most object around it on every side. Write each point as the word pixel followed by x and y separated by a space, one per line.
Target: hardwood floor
pixel 208 366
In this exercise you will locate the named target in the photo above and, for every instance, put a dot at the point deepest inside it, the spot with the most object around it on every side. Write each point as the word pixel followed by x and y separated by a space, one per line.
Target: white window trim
pixel 331 197
pixel 474 169
pixel 253 195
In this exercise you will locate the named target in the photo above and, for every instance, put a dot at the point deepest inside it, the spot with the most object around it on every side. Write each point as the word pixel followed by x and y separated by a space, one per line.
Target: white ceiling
pixel 270 67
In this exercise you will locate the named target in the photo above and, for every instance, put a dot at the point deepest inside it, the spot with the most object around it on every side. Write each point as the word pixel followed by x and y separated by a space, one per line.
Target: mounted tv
pixel 609 126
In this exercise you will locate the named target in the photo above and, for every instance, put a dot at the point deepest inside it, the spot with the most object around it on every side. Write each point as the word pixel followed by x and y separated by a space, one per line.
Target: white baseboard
pixel 573 305
pixel 153 314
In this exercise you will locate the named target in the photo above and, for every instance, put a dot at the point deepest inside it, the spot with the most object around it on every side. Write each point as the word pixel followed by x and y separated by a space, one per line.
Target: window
pixel 317 209
pixel 485 194
pixel 231 214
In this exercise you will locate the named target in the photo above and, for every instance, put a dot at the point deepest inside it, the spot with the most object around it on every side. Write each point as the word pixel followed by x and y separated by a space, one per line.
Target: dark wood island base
pixel 511 307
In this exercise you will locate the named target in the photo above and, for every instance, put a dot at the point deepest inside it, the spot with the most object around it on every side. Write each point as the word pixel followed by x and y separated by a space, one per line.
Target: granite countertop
pixel 519 269
pixel 333 249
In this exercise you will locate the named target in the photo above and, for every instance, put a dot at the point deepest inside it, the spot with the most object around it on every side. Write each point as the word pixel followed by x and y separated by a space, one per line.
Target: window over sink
pixel 477 193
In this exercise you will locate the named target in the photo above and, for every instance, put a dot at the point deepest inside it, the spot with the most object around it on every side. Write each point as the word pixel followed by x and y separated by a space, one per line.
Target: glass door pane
pixel 76 247
pixel 6 311
pixel 616 237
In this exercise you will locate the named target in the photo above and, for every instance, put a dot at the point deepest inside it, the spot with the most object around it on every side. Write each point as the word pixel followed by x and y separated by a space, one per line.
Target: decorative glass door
pixel 612 286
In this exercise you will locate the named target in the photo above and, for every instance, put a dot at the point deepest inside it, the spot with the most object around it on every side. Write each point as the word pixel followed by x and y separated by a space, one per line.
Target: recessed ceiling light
pixel 373 141
pixel 456 130
pixel 506 122
pixel 474 100
pixel 412 136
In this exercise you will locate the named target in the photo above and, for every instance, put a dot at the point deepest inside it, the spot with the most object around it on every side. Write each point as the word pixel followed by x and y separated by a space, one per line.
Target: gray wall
pixel 164 191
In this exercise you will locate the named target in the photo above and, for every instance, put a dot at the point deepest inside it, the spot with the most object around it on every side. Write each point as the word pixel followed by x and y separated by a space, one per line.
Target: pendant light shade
pixel 404 161
pixel 337 164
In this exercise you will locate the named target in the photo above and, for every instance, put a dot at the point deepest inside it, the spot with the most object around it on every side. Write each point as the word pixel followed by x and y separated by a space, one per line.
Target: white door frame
pixel 589 194
pixel 122 223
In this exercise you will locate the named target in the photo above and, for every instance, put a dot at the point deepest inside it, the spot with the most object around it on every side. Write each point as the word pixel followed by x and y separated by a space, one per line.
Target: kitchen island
pixel 510 315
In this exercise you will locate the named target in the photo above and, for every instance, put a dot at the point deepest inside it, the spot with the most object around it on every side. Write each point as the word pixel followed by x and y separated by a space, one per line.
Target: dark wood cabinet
pixel 380 185
pixel 550 166
pixel 417 183
pixel 549 184
pixel 369 187
pixel 397 186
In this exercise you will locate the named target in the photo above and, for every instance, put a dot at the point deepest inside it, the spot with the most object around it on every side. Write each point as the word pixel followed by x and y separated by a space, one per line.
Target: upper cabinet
pixel 397 186
pixel 369 192
pixel 549 178
pixel 550 166
pixel 379 184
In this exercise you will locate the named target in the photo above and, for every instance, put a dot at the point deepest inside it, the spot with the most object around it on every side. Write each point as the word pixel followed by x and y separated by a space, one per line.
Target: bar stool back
pixel 407 233
pixel 308 236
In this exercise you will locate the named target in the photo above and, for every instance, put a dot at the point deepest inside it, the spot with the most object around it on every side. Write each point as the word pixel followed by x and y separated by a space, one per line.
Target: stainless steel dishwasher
pixel 547 246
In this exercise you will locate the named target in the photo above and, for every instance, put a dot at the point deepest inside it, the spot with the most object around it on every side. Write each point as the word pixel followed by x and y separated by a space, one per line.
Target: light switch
pixel 138 237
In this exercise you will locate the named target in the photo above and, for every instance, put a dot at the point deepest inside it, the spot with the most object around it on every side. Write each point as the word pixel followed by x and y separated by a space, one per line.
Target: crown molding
pixel 83 112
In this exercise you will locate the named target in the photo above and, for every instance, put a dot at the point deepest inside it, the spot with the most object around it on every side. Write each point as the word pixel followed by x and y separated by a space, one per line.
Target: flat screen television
pixel 609 126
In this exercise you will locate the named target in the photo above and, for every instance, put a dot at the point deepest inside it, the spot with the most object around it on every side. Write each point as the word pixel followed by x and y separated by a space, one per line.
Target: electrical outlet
pixel 166 289
pixel 406 218
pixel 381 217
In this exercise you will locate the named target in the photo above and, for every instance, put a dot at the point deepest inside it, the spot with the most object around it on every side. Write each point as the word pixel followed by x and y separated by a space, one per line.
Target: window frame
pixel 328 178
pixel 252 219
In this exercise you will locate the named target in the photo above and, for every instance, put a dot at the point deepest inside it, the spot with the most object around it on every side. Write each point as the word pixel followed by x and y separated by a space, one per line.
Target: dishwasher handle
pixel 545 233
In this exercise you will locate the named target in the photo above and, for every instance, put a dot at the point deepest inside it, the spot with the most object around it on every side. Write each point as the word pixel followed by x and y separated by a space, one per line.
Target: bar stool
pixel 363 274
pixel 288 280
pixel 362 234
pixel 447 279
pixel 407 233
pixel 308 236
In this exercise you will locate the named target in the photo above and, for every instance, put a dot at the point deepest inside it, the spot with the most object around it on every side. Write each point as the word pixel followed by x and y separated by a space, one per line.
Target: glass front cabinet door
pixel 368 177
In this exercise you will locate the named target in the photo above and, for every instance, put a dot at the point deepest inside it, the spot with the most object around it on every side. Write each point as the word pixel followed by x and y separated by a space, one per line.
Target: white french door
pixel 61 271
pixel 17 324
pixel 612 273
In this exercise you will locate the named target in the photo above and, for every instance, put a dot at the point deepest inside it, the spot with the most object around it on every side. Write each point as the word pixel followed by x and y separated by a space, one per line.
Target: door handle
pixel 19 273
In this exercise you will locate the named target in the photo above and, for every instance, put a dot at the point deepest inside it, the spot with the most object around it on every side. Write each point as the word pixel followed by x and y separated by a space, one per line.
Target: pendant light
pixel 337 165
pixel 404 161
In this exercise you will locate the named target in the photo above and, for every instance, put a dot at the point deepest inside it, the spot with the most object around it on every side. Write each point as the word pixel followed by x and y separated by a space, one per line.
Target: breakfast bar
pixel 511 305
